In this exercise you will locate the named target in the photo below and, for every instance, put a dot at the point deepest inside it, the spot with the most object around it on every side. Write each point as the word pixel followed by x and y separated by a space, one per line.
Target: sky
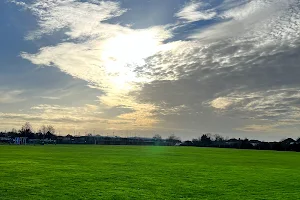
pixel 145 67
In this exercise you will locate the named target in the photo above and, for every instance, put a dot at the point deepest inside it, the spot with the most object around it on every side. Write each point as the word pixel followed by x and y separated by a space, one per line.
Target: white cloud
pixel 19 3
pixel 65 118
pixel 281 105
pixel 193 12
pixel 54 15
pixel 259 128
pixel 11 96
pixel 110 66
pixel 221 103
pixel 51 98
pixel 263 22
pixel 107 55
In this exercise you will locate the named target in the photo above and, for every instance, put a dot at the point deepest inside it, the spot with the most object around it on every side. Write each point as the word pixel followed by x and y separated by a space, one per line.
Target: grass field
pixel 131 172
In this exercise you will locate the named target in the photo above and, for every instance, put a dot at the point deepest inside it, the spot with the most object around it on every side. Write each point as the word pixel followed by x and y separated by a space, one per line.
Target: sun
pixel 123 53
pixel 130 48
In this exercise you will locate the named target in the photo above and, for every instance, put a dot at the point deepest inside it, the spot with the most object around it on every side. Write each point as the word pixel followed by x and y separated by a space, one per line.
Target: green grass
pixel 129 172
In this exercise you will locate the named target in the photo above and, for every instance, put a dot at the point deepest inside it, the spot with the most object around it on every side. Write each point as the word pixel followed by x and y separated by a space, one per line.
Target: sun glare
pixel 122 53
pixel 130 48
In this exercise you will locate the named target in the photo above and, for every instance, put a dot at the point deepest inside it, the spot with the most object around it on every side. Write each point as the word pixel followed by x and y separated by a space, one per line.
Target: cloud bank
pixel 243 64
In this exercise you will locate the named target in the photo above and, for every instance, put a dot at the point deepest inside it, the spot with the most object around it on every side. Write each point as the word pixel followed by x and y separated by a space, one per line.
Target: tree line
pixel 47 132
pixel 209 140
pixel 46 135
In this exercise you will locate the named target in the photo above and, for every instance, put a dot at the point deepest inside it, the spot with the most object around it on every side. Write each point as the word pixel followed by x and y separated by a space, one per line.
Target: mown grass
pixel 133 172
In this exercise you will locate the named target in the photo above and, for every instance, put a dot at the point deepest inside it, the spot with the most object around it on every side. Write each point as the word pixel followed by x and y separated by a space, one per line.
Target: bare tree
pixel 219 138
pixel 26 129
pixel 27 126
pixel 172 138
pixel 47 131
pixel 51 129
pixel 157 137
pixel 43 129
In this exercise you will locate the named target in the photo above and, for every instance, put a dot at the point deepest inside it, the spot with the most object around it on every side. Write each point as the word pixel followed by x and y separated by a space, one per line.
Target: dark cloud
pixel 258 83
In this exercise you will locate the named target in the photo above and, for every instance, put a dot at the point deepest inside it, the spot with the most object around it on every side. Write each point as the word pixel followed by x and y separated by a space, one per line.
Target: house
pixel 254 142
pixel 5 139
pixel 288 141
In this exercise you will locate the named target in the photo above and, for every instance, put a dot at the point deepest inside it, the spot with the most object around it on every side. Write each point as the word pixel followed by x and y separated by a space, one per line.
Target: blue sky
pixel 149 66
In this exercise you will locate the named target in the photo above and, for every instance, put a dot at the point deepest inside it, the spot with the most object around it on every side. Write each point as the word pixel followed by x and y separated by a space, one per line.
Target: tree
pixel 51 129
pixel 14 130
pixel 26 130
pixel 187 143
pixel 47 131
pixel 245 144
pixel 173 139
pixel 27 126
pixel 43 129
pixel 50 132
pixel 197 142
pixel 39 134
pixel 219 138
pixel 205 138
pixel 157 137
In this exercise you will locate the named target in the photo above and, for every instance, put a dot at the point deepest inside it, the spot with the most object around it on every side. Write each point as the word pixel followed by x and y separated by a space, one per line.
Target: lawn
pixel 136 172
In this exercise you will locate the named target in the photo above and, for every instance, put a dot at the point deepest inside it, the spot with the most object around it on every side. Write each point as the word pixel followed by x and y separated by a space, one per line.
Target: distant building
pixel 20 140
pixel 255 142
pixel 5 139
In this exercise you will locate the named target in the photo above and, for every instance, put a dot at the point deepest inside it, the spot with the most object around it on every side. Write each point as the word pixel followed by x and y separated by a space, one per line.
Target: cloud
pixel 51 98
pixel 112 77
pixel 274 105
pixel 19 3
pixel 106 54
pixel 55 15
pixel 260 21
pixel 65 118
pixel 244 65
pixel 221 103
pixel 11 96
pixel 259 128
pixel 192 12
